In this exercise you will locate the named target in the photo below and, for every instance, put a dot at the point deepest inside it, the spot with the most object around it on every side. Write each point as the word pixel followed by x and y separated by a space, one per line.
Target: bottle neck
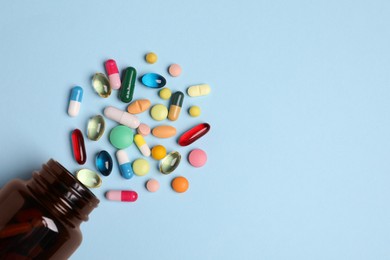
pixel 62 194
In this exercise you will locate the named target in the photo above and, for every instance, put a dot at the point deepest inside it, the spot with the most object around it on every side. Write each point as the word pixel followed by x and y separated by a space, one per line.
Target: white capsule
pixel 142 145
pixel 76 97
pixel 122 117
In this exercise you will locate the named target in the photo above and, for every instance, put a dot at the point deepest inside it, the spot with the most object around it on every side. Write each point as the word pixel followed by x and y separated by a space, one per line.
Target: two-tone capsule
pixel 122 117
pixel 142 145
pixel 128 84
pixel 113 74
pixel 122 195
pixel 76 97
pixel 124 164
pixel 175 105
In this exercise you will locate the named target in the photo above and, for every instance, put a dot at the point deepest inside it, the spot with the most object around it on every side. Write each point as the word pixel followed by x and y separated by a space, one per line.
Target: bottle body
pixel 40 218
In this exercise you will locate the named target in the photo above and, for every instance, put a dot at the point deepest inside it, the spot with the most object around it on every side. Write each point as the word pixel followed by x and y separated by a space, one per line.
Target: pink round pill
pixel 197 158
pixel 143 129
pixel 152 185
pixel 174 70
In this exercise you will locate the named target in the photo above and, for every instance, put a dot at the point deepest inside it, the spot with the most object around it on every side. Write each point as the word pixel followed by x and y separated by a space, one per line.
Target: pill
pixel 104 163
pixel 76 97
pixel 194 111
pixel 143 129
pixel 152 185
pixel 198 90
pixel 78 147
pixel 89 178
pixel 128 84
pixel 101 85
pixel 175 106
pixel 124 164
pixel 170 162
pixel 180 184
pixel 193 134
pixel 121 117
pixel 151 57
pixel 159 152
pixel 164 131
pixel 197 158
pixel 165 93
pixel 138 106
pixel 153 80
pixel 95 127
pixel 159 112
pixel 141 167
pixel 142 145
pixel 122 195
pixel 174 70
pixel 121 137
pixel 113 74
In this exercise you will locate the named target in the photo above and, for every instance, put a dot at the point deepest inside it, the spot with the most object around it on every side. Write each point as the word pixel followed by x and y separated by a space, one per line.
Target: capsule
pixel 175 106
pixel 142 145
pixel 103 163
pixel 153 80
pixel 199 90
pixel 95 127
pixel 89 178
pixel 113 74
pixel 76 97
pixel 122 117
pixel 78 147
pixel 193 134
pixel 122 195
pixel 170 162
pixel 101 85
pixel 124 164
pixel 128 84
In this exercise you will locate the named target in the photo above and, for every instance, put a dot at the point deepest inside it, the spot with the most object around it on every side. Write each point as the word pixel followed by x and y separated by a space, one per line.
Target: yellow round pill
pixel 151 58
pixel 194 111
pixel 159 112
pixel 159 152
pixel 141 167
pixel 165 93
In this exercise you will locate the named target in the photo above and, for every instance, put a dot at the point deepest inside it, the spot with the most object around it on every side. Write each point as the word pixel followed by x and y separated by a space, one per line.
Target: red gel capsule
pixel 78 146
pixel 193 134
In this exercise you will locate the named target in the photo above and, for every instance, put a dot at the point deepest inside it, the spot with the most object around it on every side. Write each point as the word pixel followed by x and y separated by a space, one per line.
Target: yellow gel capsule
pixel 199 90
pixel 142 145
pixel 194 111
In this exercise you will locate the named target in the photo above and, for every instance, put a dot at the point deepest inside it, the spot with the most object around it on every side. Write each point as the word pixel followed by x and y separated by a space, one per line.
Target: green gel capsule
pixel 170 162
pixel 101 85
pixel 95 128
pixel 89 178
pixel 128 83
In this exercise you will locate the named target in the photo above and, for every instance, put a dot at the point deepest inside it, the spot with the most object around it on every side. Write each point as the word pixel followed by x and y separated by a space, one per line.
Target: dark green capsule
pixel 128 83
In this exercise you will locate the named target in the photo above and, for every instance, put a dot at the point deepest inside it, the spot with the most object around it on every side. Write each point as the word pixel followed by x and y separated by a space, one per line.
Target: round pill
pixel 151 57
pixel 174 70
pixel 152 185
pixel 141 167
pixel 194 111
pixel 180 184
pixel 159 152
pixel 121 137
pixel 165 93
pixel 197 158
pixel 143 129
pixel 159 112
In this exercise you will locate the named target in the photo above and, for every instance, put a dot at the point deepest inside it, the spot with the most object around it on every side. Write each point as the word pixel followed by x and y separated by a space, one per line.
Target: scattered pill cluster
pixel 131 130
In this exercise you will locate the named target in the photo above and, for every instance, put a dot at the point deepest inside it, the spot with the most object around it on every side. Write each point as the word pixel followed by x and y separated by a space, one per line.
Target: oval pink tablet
pixel 143 129
pixel 174 70
pixel 197 158
pixel 152 185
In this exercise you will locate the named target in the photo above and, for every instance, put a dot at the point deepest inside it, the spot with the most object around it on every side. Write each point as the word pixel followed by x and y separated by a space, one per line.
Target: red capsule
pixel 78 146
pixel 193 134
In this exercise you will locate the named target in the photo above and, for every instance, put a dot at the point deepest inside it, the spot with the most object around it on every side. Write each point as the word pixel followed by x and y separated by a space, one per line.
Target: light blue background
pixel 300 141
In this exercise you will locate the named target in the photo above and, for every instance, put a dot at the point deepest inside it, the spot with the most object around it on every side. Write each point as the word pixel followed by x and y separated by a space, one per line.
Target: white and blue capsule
pixel 124 164
pixel 76 97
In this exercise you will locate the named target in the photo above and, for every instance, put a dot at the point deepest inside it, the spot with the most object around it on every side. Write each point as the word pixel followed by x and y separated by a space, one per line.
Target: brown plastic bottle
pixel 40 218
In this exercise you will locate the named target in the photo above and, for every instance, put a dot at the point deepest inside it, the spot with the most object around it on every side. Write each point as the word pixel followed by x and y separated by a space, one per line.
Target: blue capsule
pixel 76 97
pixel 153 80
pixel 124 164
pixel 104 163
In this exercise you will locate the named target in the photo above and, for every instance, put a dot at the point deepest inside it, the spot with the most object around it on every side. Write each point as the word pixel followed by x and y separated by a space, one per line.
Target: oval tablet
pixel 138 106
pixel 164 131
pixel 199 90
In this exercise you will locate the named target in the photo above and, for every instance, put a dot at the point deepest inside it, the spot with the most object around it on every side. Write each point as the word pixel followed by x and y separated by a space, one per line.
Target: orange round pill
pixel 180 184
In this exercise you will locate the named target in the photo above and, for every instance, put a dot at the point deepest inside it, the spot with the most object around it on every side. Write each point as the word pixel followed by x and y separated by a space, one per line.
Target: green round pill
pixel 141 167
pixel 121 137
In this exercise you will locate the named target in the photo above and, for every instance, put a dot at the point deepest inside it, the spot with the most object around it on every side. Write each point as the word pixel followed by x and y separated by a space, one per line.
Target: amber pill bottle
pixel 40 218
